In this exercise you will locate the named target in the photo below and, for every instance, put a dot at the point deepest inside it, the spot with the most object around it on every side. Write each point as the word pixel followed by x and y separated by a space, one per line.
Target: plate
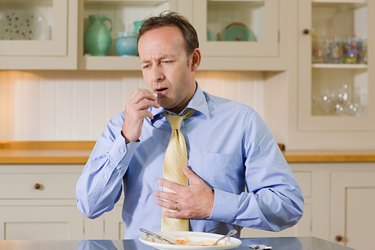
pixel 237 32
pixel 23 24
pixel 192 240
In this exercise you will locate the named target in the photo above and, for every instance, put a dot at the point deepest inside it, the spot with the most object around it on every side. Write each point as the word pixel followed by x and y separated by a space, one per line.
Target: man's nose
pixel 157 73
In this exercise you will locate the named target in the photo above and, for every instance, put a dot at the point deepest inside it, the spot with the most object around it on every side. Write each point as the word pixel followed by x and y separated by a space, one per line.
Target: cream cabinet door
pixel 37 222
pixel 352 208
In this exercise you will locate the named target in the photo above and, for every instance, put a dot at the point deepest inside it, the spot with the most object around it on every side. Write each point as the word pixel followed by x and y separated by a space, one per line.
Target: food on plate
pixel 197 242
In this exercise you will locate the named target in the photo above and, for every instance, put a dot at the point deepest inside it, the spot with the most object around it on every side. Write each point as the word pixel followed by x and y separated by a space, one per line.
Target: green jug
pixel 97 39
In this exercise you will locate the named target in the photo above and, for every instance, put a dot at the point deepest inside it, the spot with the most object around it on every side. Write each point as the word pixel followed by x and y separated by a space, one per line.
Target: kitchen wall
pixel 75 105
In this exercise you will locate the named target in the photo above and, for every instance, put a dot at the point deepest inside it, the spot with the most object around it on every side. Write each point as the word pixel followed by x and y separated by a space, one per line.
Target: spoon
pixel 229 234
pixel 157 236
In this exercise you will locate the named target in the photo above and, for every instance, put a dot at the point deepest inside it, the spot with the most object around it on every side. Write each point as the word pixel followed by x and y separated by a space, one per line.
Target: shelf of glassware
pixel 122 15
pixel 241 35
pixel 38 34
pixel 339 95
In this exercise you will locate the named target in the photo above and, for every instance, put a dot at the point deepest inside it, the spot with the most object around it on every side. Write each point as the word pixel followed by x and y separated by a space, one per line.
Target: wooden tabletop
pixel 77 152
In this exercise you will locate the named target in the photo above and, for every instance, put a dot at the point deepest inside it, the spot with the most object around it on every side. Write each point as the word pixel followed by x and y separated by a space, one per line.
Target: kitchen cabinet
pixel 38 202
pixel 352 207
pixel 60 33
pixel 335 105
pixel 339 201
pixel 241 35
pixel 261 50
pixel 38 34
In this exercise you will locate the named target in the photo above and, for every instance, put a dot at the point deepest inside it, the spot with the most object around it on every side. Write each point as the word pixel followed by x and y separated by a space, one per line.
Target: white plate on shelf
pixel 190 241
pixel 23 24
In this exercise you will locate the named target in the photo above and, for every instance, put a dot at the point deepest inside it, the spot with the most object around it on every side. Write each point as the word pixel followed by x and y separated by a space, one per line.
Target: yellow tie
pixel 175 158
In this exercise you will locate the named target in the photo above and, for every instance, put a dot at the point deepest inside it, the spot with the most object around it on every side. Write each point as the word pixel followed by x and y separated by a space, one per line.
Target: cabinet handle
pixel 306 31
pixel 38 186
pixel 339 238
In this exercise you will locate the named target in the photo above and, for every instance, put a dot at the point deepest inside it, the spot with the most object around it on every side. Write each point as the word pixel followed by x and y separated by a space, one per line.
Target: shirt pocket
pixel 224 171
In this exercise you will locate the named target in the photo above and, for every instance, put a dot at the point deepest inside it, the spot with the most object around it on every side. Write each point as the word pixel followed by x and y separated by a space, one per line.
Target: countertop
pixel 278 243
pixel 77 152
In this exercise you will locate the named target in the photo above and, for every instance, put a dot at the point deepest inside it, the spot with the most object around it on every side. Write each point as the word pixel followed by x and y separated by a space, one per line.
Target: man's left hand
pixel 193 201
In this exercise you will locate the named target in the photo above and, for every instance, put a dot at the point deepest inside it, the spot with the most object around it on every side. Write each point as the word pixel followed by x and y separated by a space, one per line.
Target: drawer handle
pixel 38 186
pixel 339 238
pixel 305 31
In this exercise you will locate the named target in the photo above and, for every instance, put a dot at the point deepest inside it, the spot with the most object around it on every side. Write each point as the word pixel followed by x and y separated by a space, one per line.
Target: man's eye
pixel 167 61
pixel 146 66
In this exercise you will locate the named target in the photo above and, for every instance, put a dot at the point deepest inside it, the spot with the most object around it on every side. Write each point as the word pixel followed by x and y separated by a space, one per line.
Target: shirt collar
pixel 198 102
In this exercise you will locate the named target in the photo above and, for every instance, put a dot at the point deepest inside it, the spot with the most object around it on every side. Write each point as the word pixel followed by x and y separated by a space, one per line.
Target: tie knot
pixel 175 120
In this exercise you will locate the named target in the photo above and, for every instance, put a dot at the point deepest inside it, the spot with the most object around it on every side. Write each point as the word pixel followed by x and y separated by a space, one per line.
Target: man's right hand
pixel 136 110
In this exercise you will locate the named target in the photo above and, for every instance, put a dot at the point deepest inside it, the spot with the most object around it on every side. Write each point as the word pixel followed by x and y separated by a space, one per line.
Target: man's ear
pixel 196 59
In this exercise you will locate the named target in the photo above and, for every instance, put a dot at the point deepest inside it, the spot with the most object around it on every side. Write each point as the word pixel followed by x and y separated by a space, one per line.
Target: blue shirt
pixel 229 147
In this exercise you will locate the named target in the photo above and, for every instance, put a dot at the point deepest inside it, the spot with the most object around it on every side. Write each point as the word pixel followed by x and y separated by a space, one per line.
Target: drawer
pixel 38 186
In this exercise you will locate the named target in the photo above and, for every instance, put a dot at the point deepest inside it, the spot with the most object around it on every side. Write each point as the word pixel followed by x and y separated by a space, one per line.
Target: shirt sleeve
pixel 100 184
pixel 272 199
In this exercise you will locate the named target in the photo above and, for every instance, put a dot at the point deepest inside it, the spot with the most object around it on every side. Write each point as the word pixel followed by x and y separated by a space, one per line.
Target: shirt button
pixel 122 150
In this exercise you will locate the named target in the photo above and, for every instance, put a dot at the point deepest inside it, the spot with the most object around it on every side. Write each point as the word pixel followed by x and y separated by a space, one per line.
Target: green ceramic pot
pixel 97 39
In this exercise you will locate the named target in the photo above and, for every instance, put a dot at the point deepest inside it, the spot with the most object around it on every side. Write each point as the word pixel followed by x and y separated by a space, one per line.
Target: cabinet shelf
pixel 135 2
pixel 338 66
pixel 340 1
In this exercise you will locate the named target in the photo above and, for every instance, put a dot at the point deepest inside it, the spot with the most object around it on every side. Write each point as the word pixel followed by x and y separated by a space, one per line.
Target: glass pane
pixel 339 33
pixel 339 92
pixel 235 20
pixel 339 59
pixel 29 20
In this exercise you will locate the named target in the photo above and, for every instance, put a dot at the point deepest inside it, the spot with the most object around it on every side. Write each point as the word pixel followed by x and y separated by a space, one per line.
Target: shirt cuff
pixel 121 153
pixel 225 205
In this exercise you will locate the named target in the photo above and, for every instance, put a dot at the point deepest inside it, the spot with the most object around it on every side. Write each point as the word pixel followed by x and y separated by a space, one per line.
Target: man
pixel 237 175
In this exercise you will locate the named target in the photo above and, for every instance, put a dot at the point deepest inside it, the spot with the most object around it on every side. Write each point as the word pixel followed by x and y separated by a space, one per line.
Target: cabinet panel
pixel 40 223
pixel 352 206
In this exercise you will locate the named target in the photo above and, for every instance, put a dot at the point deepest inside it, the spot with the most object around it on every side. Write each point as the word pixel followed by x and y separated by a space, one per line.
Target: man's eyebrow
pixel 158 59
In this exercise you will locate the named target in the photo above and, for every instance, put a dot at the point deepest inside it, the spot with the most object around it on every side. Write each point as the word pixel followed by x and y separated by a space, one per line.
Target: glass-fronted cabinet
pixel 36 29
pixel 241 34
pixel 336 90
pixel 237 28
pixel 109 31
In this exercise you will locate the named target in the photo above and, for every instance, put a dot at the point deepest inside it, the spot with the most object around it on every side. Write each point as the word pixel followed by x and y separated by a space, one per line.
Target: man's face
pixel 166 68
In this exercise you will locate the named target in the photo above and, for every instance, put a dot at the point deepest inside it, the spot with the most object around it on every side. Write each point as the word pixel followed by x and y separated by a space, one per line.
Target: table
pixel 278 243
